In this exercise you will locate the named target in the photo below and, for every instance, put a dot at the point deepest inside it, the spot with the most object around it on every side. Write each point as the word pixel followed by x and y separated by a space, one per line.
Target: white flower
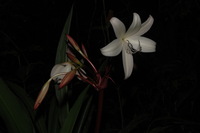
pixel 130 41
pixel 58 72
pixel 59 69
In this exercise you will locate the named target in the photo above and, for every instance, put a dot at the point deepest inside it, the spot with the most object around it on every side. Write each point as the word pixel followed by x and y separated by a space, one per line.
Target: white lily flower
pixel 59 69
pixel 57 74
pixel 130 41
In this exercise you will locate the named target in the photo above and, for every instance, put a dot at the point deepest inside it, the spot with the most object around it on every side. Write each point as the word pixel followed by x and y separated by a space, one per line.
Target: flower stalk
pixel 99 111
pixel 128 42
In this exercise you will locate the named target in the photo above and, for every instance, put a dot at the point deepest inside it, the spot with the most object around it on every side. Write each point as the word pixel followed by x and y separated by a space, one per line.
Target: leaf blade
pixel 13 112
pixel 73 114
pixel 61 53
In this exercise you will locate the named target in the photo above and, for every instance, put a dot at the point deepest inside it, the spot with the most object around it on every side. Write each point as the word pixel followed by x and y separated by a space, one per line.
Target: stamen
pixel 58 80
pixel 131 50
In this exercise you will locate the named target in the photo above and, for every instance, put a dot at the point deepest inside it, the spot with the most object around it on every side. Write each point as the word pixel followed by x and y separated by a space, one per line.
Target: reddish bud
pixel 67 78
pixel 73 42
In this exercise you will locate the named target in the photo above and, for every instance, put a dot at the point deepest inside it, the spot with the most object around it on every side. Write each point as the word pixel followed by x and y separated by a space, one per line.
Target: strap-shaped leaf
pixel 74 112
pixel 28 102
pixel 13 112
pixel 53 117
pixel 84 117
pixel 61 53
pixel 61 49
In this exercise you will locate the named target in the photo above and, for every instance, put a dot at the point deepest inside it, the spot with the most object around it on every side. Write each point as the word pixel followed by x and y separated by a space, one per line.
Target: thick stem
pixel 99 112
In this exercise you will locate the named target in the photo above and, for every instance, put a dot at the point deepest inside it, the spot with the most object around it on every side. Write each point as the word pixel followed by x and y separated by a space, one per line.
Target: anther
pixel 131 50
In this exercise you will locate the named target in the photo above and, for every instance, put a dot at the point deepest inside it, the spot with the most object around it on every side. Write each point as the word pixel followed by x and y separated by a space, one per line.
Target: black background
pixel 163 84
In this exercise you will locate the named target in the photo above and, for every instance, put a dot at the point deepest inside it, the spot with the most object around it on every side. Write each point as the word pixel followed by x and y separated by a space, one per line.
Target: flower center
pixel 131 50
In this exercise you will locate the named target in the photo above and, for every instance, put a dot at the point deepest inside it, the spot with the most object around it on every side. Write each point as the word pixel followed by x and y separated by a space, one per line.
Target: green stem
pixel 99 112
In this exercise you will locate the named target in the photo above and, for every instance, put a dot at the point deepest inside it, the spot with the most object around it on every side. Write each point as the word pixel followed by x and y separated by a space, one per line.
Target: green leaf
pixel 63 112
pixel 28 103
pixel 61 49
pixel 74 112
pixel 13 112
pixel 53 117
pixel 159 129
pixel 57 109
pixel 84 115
pixel 61 53
pixel 135 123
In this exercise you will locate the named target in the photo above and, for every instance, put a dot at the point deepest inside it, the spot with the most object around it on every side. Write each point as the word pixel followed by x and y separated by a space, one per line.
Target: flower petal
pixel 113 48
pixel 135 26
pixel 118 27
pixel 145 26
pixel 60 68
pixel 127 63
pixel 134 41
pixel 142 44
pixel 147 44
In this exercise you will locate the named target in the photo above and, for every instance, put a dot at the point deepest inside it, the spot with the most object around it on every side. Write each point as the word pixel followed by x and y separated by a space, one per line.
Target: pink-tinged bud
pixel 42 94
pixel 73 42
pixel 73 59
pixel 67 78
pixel 84 51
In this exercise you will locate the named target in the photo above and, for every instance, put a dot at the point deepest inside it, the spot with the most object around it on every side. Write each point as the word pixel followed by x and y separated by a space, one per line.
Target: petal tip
pixel 36 106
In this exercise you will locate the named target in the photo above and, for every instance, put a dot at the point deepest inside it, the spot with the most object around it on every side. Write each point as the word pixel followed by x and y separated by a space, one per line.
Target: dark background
pixel 163 84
